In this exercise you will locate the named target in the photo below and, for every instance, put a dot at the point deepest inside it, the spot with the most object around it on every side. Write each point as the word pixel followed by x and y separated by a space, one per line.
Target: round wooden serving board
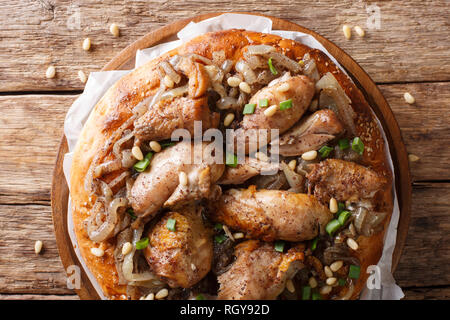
pixel 125 60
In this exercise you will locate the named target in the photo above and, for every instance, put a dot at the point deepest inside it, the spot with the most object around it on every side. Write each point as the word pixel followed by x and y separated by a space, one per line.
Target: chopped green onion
pixel 287 104
pixel 314 243
pixel 131 213
pixel 306 293
pixel 343 144
pixel 354 271
pixel 142 244
pixel 279 246
pixel 358 145
pixel 249 108
pixel 200 297
pixel 343 216
pixel 166 144
pixel 341 207
pixel 342 282
pixel 218 226
pixel 220 238
pixel 316 296
pixel 271 67
pixel 263 103
pixel 325 151
pixel 231 160
pixel 171 224
pixel 140 166
pixel 332 226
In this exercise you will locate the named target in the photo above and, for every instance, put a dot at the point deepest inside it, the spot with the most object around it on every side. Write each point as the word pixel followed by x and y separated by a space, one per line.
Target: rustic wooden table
pixel 408 52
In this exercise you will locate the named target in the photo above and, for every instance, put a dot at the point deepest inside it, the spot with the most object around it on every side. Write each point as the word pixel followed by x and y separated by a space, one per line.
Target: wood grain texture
pixel 411 44
pixel 37 297
pixel 439 293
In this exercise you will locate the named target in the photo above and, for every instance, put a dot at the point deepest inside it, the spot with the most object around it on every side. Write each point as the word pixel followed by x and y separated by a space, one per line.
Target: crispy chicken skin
pixel 259 272
pixel 181 257
pixel 167 115
pixel 160 185
pixel 300 90
pixel 271 214
pixel 311 133
pixel 343 180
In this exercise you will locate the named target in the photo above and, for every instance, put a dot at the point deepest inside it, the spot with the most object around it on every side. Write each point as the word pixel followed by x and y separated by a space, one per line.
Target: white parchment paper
pixel 99 82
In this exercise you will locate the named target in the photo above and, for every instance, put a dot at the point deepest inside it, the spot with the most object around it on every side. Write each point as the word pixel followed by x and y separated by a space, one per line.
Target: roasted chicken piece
pixel 167 115
pixel 244 171
pixel 259 272
pixel 271 214
pixel 310 134
pixel 160 185
pixel 343 180
pixel 184 256
pixel 299 88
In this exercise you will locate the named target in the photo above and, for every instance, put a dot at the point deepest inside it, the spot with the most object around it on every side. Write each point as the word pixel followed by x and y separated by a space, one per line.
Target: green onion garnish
pixel 263 103
pixel 220 238
pixel 358 145
pixel 130 211
pixel 314 243
pixel 140 166
pixel 342 282
pixel 271 67
pixel 171 224
pixel 249 108
pixel 231 160
pixel 354 271
pixel 341 207
pixel 332 226
pixel 218 226
pixel 142 244
pixel 343 216
pixel 343 144
pixel 325 151
pixel 286 104
pixel 200 297
pixel 166 144
pixel 316 296
pixel 279 246
pixel 306 293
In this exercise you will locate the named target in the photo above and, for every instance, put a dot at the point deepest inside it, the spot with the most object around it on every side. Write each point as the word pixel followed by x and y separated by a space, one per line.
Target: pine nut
pixel 162 294
pixel 325 289
pixel 347 31
pixel 233 81
pixel 328 271
pixel 168 82
pixel 333 205
pixel 114 29
pixel 98 252
pixel 283 87
pixel 193 267
pixel 292 164
pixel 228 119
pixel 312 282
pixel 155 146
pixel 290 286
pixel 413 157
pixel 359 31
pixel 150 296
pixel 352 244
pixel 310 155
pixel 137 153
pixel 51 72
pixel 126 248
pixel 409 98
pixel 335 266
pixel 86 44
pixel 183 178
pixel 238 235
pixel 270 111
pixel 82 76
pixel 245 87
pixel 38 246
pixel 331 281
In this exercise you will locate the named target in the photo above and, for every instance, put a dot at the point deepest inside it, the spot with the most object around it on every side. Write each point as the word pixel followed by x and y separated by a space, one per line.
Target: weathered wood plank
pixel 410 45
pixel 424 261
pixel 427 293
pixel 37 297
